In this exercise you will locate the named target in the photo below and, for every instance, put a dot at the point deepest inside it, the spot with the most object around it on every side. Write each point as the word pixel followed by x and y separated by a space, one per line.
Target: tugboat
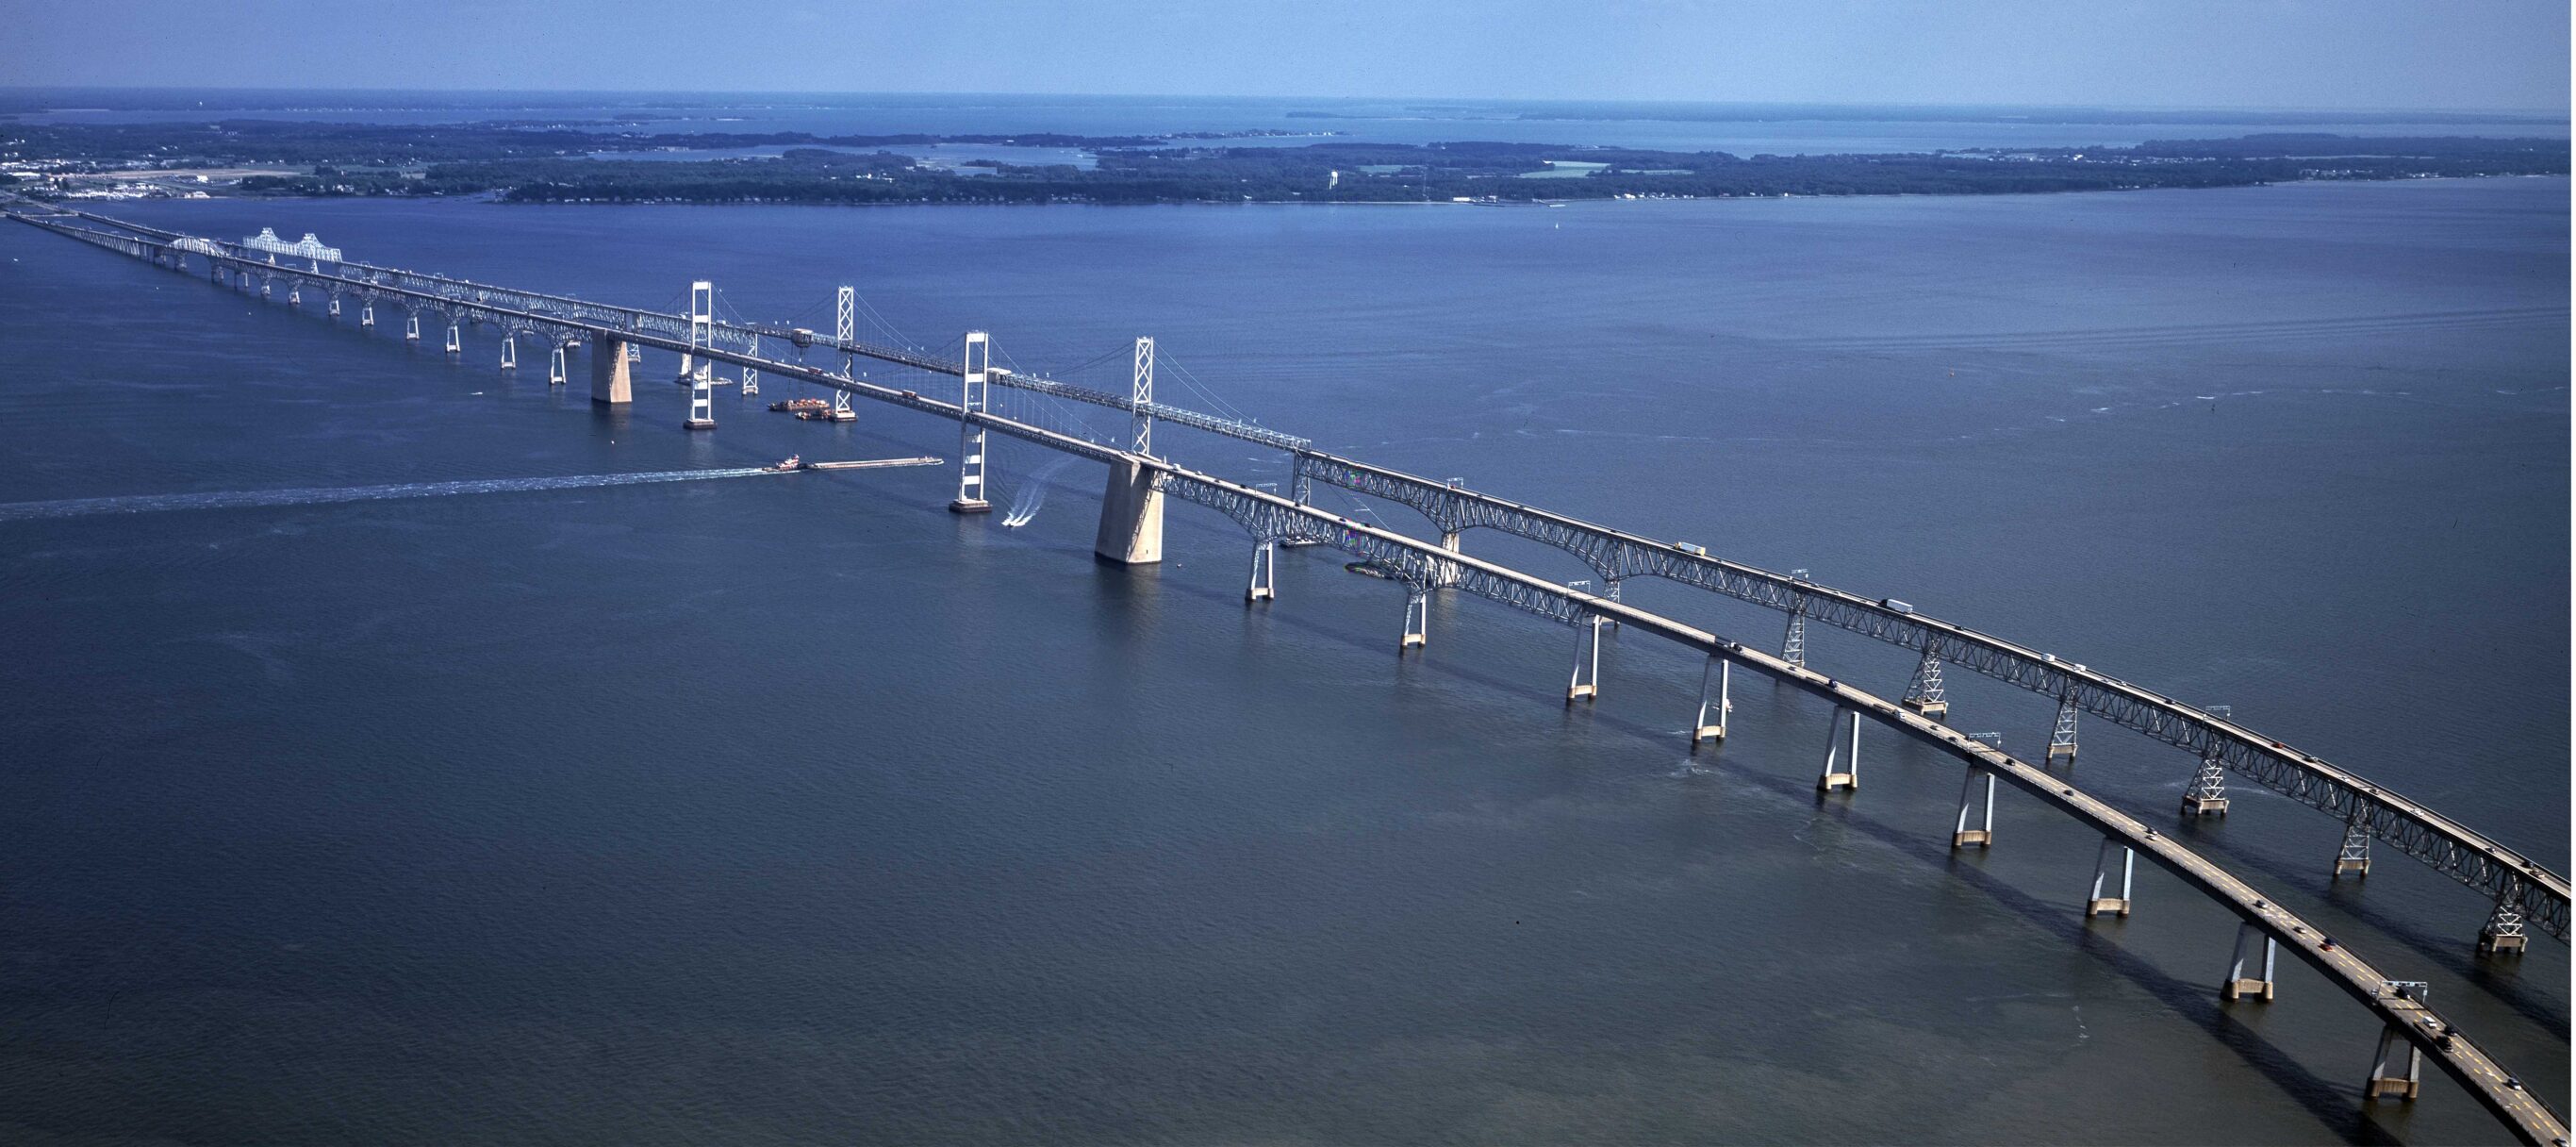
pixel 792 462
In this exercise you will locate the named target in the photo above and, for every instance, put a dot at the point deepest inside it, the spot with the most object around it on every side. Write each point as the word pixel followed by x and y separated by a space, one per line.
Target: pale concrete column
pixel 610 381
pixel 1131 516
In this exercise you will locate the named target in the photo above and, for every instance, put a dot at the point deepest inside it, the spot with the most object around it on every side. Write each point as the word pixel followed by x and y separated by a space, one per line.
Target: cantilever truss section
pixel 2447 847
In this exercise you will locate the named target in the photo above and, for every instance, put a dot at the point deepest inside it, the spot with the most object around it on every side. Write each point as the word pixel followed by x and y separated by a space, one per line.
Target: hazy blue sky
pixel 2234 53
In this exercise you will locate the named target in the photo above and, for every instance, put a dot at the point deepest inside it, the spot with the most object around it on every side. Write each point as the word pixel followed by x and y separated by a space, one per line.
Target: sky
pixel 2320 54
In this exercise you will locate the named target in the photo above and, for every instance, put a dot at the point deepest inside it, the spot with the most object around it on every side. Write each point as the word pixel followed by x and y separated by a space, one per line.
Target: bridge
pixel 1130 532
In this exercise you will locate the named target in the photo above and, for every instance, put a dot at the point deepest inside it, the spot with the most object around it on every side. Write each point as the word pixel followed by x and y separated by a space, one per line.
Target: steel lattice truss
pixel 2448 847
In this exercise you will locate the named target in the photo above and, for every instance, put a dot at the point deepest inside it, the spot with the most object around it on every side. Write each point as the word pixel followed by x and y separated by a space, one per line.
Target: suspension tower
pixel 975 387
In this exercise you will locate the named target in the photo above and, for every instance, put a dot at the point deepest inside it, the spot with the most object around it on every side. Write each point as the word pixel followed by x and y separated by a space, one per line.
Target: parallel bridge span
pixel 2449 847
pixel 1271 518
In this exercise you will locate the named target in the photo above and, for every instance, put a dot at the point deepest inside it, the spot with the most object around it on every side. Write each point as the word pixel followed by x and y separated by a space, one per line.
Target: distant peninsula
pixel 556 163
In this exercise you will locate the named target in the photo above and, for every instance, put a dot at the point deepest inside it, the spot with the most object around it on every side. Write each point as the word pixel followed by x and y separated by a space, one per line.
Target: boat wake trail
pixel 241 499
pixel 1031 495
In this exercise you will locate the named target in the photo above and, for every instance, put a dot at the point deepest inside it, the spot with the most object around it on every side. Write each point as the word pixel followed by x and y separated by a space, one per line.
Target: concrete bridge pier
pixel 1845 726
pixel 1265 570
pixel 1417 618
pixel 1131 515
pixel 2098 904
pixel 1971 804
pixel 610 380
pixel 1721 672
pixel 2240 985
pixel 455 343
pixel 2207 795
pixel 1449 573
pixel 335 304
pixel 2386 1081
pixel 367 314
pixel 1585 684
pixel 295 294
pixel 411 328
pixel 555 367
pixel 510 351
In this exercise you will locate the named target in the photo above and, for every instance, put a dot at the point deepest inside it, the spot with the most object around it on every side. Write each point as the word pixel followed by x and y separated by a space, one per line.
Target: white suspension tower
pixel 846 327
pixel 1141 400
pixel 702 320
pixel 970 433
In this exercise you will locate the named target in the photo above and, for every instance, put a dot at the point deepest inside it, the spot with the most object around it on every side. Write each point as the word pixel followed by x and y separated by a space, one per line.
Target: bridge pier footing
pixel 1842 752
pixel 2099 904
pixel 1131 516
pixel 1417 618
pixel 1719 672
pixel 2207 795
pixel 2354 856
pixel 1585 684
pixel 1983 836
pixel 2385 1081
pixel 1265 572
pixel 2503 933
pixel 611 382
pixel 2240 985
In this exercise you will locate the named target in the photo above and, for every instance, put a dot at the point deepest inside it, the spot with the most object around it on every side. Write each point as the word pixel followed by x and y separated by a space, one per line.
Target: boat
pixel 791 462
pixel 1372 569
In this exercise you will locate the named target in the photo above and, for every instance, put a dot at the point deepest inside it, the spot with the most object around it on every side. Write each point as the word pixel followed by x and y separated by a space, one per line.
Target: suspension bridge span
pixel 1130 532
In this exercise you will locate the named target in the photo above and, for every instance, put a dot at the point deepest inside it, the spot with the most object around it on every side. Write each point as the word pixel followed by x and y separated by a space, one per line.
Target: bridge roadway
pixel 1422 564
pixel 466 293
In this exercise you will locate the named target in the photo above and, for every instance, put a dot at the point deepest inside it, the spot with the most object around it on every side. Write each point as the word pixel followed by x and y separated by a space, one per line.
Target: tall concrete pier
pixel 609 379
pixel 1131 516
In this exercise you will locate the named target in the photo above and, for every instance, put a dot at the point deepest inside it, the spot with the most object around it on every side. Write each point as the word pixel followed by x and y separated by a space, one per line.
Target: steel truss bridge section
pixel 1422 565
pixel 2445 845
pixel 746 338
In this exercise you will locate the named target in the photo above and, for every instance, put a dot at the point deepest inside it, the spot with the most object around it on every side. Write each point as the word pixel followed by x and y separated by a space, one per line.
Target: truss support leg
pixel 2241 980
pixel 2061 741
pixel 1842 752
pixel 2503 932
pixel 1585 684
pixel 2101 902
pixel 1923 694
pixel 1719 672
pixel 2387 1079
pixel 1793 644
pixel 1979 807
pixel 1417 618
pixel 1265 571
pixel 2207 795
pixel 2354 856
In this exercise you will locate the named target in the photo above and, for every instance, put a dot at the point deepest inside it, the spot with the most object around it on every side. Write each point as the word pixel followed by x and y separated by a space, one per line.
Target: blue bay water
pixel 798 810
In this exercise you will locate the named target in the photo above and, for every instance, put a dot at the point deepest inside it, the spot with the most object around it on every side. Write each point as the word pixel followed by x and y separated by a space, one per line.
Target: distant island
pixel 558 163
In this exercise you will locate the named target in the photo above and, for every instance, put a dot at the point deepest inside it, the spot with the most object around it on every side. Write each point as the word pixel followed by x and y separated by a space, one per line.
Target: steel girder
pixel 2449 848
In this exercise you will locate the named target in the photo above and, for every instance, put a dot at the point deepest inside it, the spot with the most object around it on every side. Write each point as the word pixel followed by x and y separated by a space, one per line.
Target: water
pixel 804 811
